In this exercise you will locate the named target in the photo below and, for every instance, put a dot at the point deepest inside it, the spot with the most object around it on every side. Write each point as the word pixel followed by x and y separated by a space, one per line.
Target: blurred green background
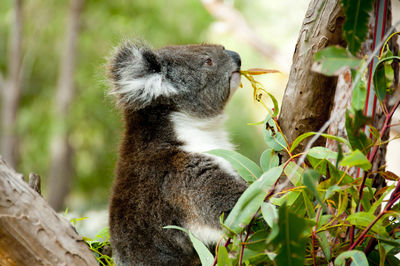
pixel 93 123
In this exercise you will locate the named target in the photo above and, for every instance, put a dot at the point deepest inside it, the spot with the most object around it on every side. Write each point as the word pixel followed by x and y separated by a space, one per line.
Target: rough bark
pixel 31 232
pixel 308 95
pixel 61 170
pixel 11 90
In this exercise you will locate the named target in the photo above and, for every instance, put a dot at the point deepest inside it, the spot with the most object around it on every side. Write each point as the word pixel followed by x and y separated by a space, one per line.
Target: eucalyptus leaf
pixel 358 258
pixel 290 238
pixel 310 179
pixel 379 79
pixel 364 219
pixel 355 27
pixel 251 200
pixel 223 259
pixel 300 138
pixel 333 59
pixel 245 167
pixel 359 95
pixel 269 213
pixel 269 159
pixel 356 158
pixel 273 138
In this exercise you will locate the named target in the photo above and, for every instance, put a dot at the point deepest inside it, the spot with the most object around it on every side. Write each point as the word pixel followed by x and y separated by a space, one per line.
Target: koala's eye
pixel 208 62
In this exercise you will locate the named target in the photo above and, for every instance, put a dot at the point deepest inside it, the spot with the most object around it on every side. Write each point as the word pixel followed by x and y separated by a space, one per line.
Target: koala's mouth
pixel 234 80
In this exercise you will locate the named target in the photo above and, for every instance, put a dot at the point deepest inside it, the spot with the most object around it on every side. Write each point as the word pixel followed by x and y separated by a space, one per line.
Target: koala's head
pixel 195 79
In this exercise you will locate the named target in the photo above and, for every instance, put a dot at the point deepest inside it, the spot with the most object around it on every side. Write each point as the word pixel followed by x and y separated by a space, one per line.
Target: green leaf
pixel 358 258
pixel 332 59
pixel 258 241
pixel 268 160
pixel 355 27
pixel 382 254
pixel 251 200
pixel 308 204
pixel 269 213
pixel 205 255
pixel 294 173
pixel 275 102
pixel 363 219
pixel 300 138
pixel 310 179
pixel 245 167
pixel 379 79
pixel 326 248
pixel 273 137
pixel 223 259
pixel 354 125
pixel 290 238
pixel 322 153
pixel 358 159
pixel 359 95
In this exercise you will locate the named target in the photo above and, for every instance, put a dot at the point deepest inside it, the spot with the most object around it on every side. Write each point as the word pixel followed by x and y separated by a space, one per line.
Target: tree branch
pixel 31 232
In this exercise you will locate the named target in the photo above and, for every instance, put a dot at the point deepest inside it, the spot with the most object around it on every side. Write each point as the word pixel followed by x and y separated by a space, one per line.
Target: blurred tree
pixel 61 168
pixel 92 125
pixel 11 89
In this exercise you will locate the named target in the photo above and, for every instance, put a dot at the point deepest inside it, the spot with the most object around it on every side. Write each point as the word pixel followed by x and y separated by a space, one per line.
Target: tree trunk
pixel 31 232
pixel 12 89
pixel 61 172
pixel 308 96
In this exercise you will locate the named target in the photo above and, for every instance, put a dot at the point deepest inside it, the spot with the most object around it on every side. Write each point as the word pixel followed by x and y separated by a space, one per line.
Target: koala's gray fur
pixel 172 101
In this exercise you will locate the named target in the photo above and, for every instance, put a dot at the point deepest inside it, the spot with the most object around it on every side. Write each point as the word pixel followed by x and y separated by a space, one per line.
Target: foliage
pixel 98 245
pixel 319 215
pixel 355 27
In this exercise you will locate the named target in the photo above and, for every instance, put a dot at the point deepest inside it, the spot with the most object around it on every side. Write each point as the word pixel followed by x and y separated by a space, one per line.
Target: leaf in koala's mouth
pixel 259 71
pixel 258 89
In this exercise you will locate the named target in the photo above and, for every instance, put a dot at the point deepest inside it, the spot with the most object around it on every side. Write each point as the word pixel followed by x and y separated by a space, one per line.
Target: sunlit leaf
pixel 269 159
pixel 294 173
pixel 359 95
pixel 245 167
pixel 358 159
pixel 363 219
pixel 273 138
pixel 269 213
pixel 358 258
pixel 300 138
pixel 259 71
pixel 223 259
pixel 251 200
pixel 333 59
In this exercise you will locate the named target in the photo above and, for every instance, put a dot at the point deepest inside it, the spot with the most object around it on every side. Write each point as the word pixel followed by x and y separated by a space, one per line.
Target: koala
pixel 172 101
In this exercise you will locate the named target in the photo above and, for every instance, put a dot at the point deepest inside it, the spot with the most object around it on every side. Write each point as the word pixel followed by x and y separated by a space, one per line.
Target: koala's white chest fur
pixel 199 136
pixel 202 135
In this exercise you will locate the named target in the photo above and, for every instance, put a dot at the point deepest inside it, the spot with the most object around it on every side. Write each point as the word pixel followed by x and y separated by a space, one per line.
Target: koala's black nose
pixel 235 56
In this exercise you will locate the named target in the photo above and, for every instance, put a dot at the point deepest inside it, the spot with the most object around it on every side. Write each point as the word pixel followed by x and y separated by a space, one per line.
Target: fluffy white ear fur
pixel 139 91
pixel 143 90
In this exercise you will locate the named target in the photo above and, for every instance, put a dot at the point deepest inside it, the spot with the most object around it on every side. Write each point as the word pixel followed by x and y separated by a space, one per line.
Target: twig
pixel 361 238
pixel 314 236
pixel 34 182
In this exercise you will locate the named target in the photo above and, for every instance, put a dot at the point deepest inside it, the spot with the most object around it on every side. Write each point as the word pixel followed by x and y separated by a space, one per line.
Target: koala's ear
pixel 135 71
